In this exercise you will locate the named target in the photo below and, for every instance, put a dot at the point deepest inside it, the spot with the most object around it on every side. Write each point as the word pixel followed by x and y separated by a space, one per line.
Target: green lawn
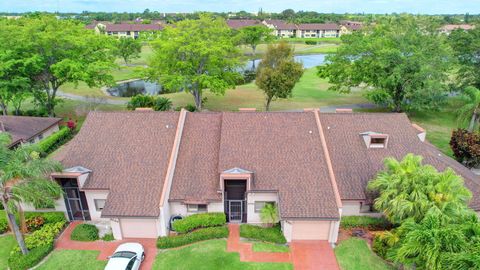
pixel 7 242
pixel 269 247
pixel 354 254
pixel 73 260
pixel 209 255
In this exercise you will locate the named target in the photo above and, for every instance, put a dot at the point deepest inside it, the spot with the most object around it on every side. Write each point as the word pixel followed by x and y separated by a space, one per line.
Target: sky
pixel 325 6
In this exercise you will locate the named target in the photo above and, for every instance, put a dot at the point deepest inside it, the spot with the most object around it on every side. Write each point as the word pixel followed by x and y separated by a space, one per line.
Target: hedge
pixel 18 261
pixel 204 220
pixel 273 234
pixel 371 223
pixel 54 141
pixel 3 223
pixel 85 232
pixel 192 237
pixel 48 217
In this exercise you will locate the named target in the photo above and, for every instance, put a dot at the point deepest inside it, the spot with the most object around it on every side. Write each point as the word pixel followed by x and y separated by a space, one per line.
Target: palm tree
pixel 269 214
pixel 24 179
pixel 470 112
pixel 429 243
pixel 408 189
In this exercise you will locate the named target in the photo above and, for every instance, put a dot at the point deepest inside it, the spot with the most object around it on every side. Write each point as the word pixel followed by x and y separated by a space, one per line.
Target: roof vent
pixel 375 139
pixel 247 109
pixel 340 110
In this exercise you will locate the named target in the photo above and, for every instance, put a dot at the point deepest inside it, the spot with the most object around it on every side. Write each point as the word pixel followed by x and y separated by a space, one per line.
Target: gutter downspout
pixel 334 226
pixel 167 183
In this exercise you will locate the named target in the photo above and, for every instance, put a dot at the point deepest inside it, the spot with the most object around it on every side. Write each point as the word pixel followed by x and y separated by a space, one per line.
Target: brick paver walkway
pixel 304 255
pixel 107 248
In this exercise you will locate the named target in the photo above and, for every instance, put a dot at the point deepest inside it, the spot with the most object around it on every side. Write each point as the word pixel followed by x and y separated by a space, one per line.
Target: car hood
pixel 117 263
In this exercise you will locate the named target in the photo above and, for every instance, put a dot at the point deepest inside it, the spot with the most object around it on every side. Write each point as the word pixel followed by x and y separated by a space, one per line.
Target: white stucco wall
pixel 116 230
pixel 178 208
pixel 356 208
pixel 287 229
pixel 252 197
pixel 59 206
pixel 92 195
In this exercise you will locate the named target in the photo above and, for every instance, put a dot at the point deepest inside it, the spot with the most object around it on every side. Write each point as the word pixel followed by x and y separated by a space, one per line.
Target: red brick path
pixel 107 248
pixel 305 255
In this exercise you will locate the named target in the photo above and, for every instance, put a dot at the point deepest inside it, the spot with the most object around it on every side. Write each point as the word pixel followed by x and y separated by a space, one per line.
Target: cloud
pixel 337 6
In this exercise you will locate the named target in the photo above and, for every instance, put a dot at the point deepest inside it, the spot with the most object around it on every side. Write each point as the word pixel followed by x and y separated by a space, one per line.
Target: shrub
pixel 190 108
pixel 44 236
pixel 379 246
pixel 273 234
pixel 57 139
pixel 85 232
pixel 162 104
pixel 34 223
pixel 18 261
pixel 140 101
pixel 466 147
pixel 310 42
pixel 49 217
pixel 192 237
pixel 371 223
pixel 196 221
pixel 108 237
pixel 3 224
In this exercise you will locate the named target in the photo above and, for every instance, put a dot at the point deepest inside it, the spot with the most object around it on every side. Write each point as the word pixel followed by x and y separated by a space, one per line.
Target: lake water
pixel 132 88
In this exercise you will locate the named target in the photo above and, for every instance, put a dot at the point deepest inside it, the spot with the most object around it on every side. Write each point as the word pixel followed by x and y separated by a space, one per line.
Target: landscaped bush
pixel 48 217
pixel 18 261
pixel 147 101
pixel 34 223
pixel 3 223
pixel 466 147
pixel 371 223
pixel 39 243
pixel 196 221
pixel 108 237
pixel 54 141
pixel 162 104
pixel 379 246
pixel 273 234
pixel 311 42
pixel 192 237
pixel 85 232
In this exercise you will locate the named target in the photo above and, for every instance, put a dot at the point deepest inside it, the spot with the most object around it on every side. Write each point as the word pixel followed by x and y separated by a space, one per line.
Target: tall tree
pixel 403 58
pixel 466 47
pixel 64 52
pixel 470 111
pixel 409 189
pixel 278 72
pixel 24 179
pixel 128 48
pixel 196 55
pixel 254 35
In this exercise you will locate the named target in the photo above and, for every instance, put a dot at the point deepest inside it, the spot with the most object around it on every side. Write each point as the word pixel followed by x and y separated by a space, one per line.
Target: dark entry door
pixel 75 200
pixel 235 206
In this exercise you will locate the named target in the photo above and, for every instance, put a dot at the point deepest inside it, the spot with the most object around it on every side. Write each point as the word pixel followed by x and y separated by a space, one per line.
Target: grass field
pixel 7 242
pixel 269 247
pixel 209 255
pixel 354 254
pixel 73 260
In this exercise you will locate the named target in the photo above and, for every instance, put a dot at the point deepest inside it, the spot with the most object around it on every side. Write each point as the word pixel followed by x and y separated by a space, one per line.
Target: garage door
pixel 139 228
pixel 310 230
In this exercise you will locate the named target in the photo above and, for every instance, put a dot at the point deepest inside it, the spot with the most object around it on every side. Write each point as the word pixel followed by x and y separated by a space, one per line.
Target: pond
pixel 135 87
pixel 309 61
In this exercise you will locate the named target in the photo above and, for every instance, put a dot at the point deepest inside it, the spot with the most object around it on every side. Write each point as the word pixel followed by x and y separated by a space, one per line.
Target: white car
pixel 127 256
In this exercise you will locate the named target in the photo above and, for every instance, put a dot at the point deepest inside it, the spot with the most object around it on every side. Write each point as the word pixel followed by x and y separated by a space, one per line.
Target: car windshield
pixel 123 254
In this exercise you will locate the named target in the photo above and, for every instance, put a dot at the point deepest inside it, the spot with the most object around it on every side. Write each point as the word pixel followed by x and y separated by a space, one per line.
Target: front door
pixel 235 210
pixel 75 200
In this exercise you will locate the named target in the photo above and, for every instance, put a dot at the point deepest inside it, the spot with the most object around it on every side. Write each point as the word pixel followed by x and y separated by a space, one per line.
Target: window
pixel 99 204
pixel 259 205
pixel 196 208
pixel 378 141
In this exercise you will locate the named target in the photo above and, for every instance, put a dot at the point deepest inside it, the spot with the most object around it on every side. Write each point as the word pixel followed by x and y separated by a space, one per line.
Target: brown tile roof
pixel 319 26
pixel 355 165
pixel 236 24
pixel 281 25
pixel 128 153
pixel 284 152
pixel 451 27
pixel 196 172
pixel 24 128
pixel 124 27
